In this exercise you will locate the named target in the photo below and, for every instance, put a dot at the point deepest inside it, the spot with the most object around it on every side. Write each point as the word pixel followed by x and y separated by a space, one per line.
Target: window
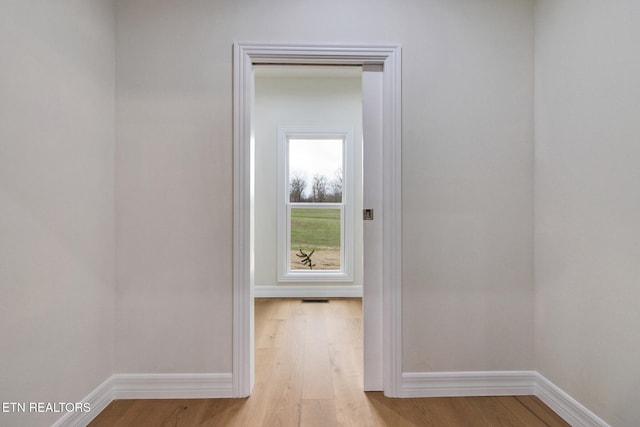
pixel 315 206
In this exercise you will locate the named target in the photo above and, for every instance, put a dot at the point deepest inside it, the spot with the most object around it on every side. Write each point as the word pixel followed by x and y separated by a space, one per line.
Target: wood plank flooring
pixel 309 373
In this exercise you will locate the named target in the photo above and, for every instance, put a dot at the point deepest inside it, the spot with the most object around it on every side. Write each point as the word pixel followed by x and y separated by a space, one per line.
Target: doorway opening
pixel 307 123
pixel 381 193
pixel 308 180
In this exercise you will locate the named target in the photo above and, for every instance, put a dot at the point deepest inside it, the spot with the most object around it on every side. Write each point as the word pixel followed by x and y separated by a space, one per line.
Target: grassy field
pixel 315 229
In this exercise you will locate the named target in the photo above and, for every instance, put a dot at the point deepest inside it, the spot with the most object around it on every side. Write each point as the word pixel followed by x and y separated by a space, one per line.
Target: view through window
pixel 316 207
pixel 315 224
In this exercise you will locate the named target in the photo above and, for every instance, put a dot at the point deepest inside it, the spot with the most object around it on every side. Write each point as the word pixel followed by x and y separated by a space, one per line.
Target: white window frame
pixel 345 274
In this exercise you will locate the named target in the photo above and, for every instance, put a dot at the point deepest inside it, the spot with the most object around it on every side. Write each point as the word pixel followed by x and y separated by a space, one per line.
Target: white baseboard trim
pixel 149 386
pixel 499 383
pixel 172 386
pixel 566 406
pixel 310 291
pixel 98 399
pixel 454 384
pixel 414 384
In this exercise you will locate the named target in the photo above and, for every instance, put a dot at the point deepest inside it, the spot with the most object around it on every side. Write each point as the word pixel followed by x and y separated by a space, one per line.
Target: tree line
pixel 320 190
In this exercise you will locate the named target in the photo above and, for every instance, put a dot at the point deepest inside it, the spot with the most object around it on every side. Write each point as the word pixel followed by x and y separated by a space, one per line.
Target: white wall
pixel 467 165
pixel 300 97
pixel 57 236
pixel 468 187
pixel 588 203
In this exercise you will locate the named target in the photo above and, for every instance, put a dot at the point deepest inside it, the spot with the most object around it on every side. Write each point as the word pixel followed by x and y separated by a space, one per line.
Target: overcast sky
pixel 309 157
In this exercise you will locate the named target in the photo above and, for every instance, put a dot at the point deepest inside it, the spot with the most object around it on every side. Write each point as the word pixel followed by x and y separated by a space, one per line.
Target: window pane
pixel 315 239
pixel 315 170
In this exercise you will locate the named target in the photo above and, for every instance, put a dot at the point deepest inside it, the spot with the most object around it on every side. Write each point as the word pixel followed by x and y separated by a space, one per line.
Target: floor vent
pixel 315 300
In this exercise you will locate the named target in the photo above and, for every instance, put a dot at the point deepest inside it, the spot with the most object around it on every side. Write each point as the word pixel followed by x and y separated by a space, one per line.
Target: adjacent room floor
pixel 309 373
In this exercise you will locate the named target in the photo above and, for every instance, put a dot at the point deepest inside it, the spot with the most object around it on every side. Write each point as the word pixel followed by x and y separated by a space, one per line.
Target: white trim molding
pixel 149 386
pixel 499 383
pixel 453 384
pixel 246 55
pixel 98 399
pixel 564 405
pixel 172 386
pixel 308 291
pixel 414 384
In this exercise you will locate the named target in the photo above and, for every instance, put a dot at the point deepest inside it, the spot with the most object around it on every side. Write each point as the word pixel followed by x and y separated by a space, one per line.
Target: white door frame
pixel 389 58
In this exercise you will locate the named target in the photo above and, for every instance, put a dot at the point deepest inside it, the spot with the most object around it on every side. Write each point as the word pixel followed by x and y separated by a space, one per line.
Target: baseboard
pixel 414 384
pixel 499 383
pixel 172 386
pixel 149 386
pixel 98 399
pixel 454 384
pixel 308 291
pixel 566 406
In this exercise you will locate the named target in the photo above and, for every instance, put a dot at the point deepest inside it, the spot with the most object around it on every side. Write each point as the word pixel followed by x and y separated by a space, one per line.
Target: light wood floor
pixel 309 373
